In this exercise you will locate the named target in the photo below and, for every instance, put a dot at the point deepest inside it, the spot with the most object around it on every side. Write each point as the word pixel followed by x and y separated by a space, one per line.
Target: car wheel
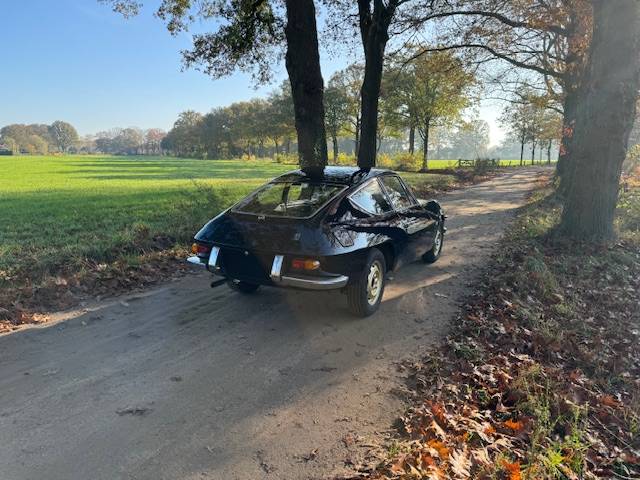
pixel 365 294
pixel 438 242
pixel 242 287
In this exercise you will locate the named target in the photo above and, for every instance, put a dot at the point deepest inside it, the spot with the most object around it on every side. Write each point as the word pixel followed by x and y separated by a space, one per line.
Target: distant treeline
pixel 62 137
pixel 127 141
pixel 38 138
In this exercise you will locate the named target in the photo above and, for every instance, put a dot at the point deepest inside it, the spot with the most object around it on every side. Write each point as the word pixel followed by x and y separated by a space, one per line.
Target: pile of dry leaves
pixel 540 378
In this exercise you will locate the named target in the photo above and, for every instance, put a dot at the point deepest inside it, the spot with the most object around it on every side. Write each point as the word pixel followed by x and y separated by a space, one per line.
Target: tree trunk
pixel 549 147
pixel 565 153
pixel 533 153
pixel 356 147
pixel 604 120
pixel 374 30
pixel 412 139
pixel 521 152
pixel 334 138
pixel 307 86
pixel 425 151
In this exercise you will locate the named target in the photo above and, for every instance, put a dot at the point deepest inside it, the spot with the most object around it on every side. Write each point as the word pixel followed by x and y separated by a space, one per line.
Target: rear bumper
pixel 302 282
pixel 196 261
pixel 311 283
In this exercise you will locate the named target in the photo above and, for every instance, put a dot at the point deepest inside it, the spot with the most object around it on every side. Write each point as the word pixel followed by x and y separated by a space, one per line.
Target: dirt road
pixel 185 382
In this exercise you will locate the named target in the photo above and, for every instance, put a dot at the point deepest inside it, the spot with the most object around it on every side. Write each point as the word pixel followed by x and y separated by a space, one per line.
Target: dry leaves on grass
pixel 24 304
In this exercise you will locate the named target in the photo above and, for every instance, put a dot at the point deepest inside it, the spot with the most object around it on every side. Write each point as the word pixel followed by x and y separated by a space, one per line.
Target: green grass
pixel 445 164
pixel 58 212
pixel 406 162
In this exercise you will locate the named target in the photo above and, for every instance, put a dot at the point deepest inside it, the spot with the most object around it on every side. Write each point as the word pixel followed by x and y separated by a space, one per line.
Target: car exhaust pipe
pixel 217 283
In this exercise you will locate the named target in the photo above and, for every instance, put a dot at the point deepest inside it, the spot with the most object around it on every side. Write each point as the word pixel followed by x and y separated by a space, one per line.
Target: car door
pixel 412 218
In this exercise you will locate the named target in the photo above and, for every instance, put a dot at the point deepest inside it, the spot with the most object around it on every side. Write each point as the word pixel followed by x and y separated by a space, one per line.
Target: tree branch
pixel 497 16
pixel 495 53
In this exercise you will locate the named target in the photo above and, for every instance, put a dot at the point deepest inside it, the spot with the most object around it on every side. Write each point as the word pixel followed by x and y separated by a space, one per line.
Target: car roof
pixel 342 175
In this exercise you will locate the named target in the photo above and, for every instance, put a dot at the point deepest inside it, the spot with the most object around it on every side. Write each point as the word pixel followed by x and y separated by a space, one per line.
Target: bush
pixel 344 160
pixel 482 165
pixel 632 161
pixel 287 158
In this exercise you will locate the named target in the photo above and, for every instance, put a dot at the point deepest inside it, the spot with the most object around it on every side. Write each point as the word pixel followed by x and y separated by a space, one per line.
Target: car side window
pixel 371 199
pixel 400 198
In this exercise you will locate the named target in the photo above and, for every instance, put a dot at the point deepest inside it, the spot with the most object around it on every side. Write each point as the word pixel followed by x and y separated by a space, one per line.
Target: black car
pixel 343 228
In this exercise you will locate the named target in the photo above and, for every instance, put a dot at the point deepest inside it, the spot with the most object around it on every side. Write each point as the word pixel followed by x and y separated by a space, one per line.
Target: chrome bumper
pixel 307 282
pixel 196 261
pixel 211 265
pixel 314 283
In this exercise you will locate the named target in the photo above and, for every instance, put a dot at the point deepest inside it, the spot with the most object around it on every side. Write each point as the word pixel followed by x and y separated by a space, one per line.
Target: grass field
pixel 448 164
pixel 58 212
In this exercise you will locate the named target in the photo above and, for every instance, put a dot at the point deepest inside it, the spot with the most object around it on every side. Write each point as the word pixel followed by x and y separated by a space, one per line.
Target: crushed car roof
pixel 341 175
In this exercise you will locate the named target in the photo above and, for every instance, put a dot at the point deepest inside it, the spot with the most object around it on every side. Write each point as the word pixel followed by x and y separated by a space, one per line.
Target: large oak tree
pixel 604 120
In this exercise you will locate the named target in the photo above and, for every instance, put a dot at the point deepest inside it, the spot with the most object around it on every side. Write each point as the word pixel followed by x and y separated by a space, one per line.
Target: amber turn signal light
pixel 305 264
pixel 198 249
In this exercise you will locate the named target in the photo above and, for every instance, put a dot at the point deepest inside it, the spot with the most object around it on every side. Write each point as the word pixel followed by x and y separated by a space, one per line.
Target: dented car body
pixel 343 228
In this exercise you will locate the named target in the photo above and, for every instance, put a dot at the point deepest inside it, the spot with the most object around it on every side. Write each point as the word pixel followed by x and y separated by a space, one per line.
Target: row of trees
pixel 418 95
pixel 126 141
pixel 38 138
pixel 258 127
pixel 531 122
pixel 62 137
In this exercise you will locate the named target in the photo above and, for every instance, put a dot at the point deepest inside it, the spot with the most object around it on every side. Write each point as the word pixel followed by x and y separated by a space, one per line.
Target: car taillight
pixel 305 264
pixel 199 249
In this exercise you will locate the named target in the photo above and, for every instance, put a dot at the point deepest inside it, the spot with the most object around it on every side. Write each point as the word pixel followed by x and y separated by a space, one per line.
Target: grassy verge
pixel 540 377
pixel 96 225
pixel 405 162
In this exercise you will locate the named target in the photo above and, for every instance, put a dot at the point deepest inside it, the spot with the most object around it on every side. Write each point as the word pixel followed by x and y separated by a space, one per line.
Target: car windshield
pixel 289 199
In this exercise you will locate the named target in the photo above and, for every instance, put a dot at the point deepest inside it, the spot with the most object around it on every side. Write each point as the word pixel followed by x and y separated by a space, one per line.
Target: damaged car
pixel 341 228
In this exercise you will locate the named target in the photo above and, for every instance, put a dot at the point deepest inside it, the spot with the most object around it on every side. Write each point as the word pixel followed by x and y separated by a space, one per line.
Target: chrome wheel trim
pixel 374 282
pixel 437 242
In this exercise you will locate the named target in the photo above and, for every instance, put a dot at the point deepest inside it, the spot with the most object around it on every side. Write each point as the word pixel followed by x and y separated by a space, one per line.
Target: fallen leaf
pixel 460 463
pixel 512 469
pixel 515 425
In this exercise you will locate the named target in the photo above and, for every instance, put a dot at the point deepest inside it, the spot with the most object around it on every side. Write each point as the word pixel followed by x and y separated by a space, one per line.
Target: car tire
pixel 438 242
pixel 365 294
pixel 242 287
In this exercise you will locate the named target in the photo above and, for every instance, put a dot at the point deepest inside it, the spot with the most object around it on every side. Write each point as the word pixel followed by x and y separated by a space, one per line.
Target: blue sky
pixel 77 61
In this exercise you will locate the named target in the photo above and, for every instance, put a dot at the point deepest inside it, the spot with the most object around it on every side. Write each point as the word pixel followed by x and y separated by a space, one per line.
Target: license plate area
pixel 242 264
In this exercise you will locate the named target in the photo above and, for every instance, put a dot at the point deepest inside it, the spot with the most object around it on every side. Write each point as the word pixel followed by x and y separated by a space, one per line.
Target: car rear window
pixel 289 199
